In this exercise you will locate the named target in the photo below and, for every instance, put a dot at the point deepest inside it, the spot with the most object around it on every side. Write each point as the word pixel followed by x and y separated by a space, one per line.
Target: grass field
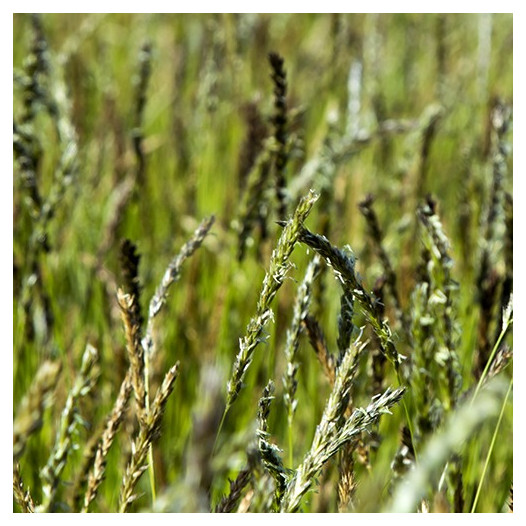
pixel 263 263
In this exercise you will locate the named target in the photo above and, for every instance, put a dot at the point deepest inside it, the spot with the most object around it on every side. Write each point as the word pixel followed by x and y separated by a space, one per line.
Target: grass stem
pixel 491 448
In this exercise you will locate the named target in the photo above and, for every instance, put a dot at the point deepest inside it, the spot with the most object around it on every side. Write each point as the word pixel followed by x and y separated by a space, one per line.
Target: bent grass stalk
pixel 343 267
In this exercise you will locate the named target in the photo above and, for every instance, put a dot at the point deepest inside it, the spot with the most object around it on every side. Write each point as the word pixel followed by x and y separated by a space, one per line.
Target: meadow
pixel 263 263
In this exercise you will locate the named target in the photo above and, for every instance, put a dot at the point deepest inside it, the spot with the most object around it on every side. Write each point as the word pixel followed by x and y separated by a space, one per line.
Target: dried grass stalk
pixel 147 435
pixel 135 352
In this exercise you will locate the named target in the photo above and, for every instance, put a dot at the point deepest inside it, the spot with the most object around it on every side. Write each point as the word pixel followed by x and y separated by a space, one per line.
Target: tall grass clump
pixel 262 263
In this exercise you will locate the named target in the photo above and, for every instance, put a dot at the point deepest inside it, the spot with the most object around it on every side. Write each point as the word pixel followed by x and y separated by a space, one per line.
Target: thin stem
pixel 492 445
pixel 219 429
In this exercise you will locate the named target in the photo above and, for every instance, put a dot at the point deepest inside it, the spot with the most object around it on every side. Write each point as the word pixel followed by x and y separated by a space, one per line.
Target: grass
pixel 267 259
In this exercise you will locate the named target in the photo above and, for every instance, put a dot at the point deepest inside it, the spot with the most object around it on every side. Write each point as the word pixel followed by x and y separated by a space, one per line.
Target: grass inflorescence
pixel 186 187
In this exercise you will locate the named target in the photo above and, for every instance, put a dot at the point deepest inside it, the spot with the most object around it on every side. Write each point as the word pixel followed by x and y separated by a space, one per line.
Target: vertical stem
pixel 492 445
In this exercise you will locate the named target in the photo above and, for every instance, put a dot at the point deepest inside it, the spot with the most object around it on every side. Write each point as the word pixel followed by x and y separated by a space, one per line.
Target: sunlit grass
pixel 381 142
